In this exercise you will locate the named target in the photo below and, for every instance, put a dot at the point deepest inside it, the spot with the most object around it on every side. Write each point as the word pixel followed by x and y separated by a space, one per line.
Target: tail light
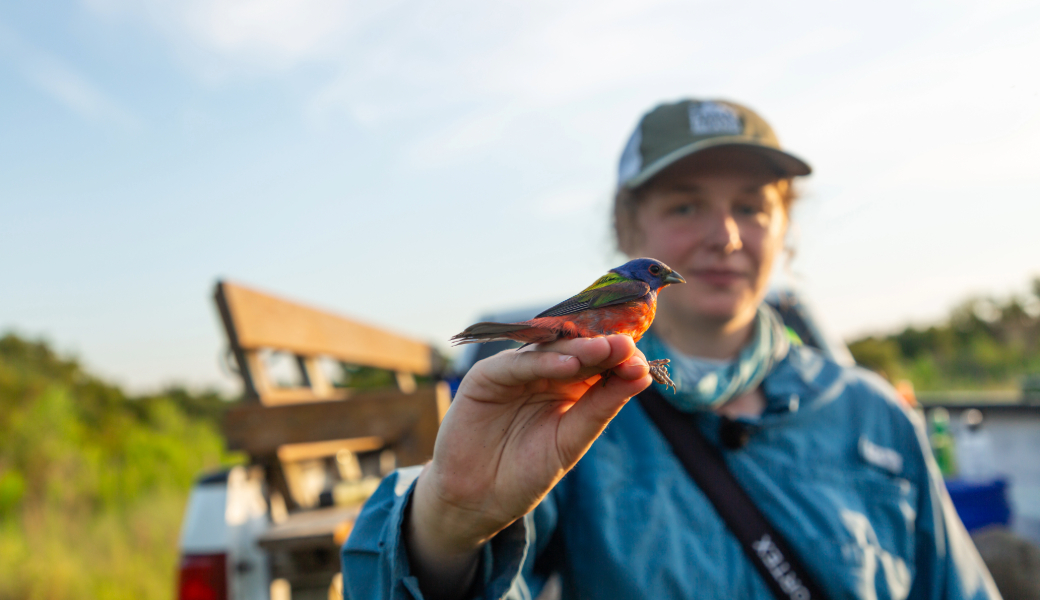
pixel 203 577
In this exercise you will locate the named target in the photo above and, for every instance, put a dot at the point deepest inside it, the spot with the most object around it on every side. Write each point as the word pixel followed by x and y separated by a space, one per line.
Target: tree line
pixel 985 343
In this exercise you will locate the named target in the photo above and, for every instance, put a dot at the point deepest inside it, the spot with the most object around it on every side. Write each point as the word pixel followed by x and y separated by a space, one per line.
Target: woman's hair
pixel 626 204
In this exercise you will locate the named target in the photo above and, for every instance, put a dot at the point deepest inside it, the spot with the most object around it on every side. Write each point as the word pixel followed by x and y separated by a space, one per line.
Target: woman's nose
pixel 724 234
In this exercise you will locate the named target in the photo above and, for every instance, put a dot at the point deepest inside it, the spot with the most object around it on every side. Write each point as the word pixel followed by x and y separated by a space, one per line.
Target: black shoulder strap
pixel 781 570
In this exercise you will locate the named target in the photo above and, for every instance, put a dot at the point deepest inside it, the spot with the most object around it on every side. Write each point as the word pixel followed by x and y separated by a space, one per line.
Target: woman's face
pixel 718 219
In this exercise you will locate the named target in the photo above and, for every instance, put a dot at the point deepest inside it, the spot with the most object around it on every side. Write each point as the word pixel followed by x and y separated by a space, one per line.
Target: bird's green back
pixel 610 289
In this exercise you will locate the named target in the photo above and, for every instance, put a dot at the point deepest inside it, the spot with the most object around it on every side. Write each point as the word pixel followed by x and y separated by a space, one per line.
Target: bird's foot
pixel 659 372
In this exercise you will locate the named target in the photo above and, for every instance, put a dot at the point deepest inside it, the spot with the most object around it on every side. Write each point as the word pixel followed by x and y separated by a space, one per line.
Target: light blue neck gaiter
pixel 704 384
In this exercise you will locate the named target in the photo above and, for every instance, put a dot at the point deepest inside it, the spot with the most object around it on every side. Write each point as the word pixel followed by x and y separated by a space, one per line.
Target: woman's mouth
pixel 718 277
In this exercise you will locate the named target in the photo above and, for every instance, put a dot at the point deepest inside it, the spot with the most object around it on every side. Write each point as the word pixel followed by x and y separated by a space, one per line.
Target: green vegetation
pixel 93 483
pixel 985 344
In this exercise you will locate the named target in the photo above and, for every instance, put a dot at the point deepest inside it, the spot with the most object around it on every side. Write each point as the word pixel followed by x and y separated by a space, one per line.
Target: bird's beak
pixel 673 277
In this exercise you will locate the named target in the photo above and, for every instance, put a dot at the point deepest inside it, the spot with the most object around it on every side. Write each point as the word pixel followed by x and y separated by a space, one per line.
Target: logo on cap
pixel 711 118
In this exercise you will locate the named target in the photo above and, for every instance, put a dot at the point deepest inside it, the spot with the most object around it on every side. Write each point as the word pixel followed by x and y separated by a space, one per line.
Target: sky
pixel 414 165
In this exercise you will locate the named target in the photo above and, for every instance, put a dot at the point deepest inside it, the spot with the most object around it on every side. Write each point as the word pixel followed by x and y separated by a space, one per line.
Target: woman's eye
pixel 686 208
pixel 748 209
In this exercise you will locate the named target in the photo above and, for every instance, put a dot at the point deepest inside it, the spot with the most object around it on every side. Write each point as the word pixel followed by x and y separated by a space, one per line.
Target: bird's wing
pixel 606 291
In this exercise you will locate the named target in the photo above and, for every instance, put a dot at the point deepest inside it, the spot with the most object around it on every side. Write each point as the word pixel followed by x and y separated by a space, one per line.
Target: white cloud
pixel 288 32
pixel 61 81
pixel 78 93
pixel 219 37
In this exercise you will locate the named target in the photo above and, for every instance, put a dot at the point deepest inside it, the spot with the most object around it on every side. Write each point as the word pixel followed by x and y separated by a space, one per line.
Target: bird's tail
pixel 490 332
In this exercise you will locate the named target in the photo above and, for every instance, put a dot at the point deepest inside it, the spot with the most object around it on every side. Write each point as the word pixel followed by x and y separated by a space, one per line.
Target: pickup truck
pixel 271 529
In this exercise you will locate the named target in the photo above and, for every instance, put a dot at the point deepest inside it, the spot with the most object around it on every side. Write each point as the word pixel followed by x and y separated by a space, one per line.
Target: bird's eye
pixel 655 270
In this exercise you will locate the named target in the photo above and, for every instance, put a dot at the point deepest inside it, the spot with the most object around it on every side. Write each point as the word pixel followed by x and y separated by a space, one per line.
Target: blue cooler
pixel 980 503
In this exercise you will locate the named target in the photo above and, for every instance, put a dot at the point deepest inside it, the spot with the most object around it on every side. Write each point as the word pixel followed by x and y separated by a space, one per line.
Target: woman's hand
pixel 519 422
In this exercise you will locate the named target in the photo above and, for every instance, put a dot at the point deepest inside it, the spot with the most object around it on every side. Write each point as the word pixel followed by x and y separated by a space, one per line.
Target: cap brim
pixel 787 164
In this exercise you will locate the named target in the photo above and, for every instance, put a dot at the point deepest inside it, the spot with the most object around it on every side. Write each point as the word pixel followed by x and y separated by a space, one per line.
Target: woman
pixel 833 461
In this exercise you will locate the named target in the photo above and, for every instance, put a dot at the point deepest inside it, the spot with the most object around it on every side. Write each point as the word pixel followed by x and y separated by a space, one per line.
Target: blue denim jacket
pixel 837 465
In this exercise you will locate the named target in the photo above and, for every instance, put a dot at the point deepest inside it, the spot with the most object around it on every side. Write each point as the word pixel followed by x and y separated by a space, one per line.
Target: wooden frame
pixel 316 420
pixel 255 321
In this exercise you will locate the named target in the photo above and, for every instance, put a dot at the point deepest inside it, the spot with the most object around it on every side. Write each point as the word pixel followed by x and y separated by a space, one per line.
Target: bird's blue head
pixel 649 270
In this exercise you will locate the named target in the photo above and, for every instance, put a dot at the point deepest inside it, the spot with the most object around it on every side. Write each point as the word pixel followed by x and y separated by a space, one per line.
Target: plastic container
pixel 980 503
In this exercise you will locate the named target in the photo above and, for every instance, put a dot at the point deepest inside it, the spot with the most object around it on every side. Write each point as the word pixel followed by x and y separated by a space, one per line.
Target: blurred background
pixel 415 166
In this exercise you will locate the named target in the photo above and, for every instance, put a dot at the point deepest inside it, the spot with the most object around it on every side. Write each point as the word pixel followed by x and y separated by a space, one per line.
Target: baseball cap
pixel 671 132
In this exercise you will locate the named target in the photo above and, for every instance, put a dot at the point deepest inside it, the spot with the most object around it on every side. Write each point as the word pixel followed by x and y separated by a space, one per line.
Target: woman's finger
pixel 586 420
pixel 563 361
pixel 595 354
pixel 508 369
pixel 634 368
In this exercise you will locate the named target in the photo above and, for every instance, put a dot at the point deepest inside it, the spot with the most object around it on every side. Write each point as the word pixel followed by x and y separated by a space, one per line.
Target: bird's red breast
pixel 630 318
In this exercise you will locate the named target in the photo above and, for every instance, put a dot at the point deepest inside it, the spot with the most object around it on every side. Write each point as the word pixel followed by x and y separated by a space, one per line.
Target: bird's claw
pixel 659 372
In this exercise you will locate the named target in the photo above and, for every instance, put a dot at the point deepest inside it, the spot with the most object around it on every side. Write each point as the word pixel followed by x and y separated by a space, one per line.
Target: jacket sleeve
pixel 375 561
pixel 948 565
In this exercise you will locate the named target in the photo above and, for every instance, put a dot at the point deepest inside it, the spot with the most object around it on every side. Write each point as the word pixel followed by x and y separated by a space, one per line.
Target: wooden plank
pixel 258 380
pixel 398 418
pixel 304 548
pixel 242 365
pixel 443 391
pixel 405 382
pixel 416 446
pixel 315 377
pixel 310 450
pixel 308 528
pixel 300 395
pixel 263 321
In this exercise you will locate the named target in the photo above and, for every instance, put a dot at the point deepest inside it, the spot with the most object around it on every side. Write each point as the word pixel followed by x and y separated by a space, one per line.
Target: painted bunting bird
pixel 622 301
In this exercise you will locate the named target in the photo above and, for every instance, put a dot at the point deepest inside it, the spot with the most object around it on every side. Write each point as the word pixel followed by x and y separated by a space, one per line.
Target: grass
pixel 93 483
